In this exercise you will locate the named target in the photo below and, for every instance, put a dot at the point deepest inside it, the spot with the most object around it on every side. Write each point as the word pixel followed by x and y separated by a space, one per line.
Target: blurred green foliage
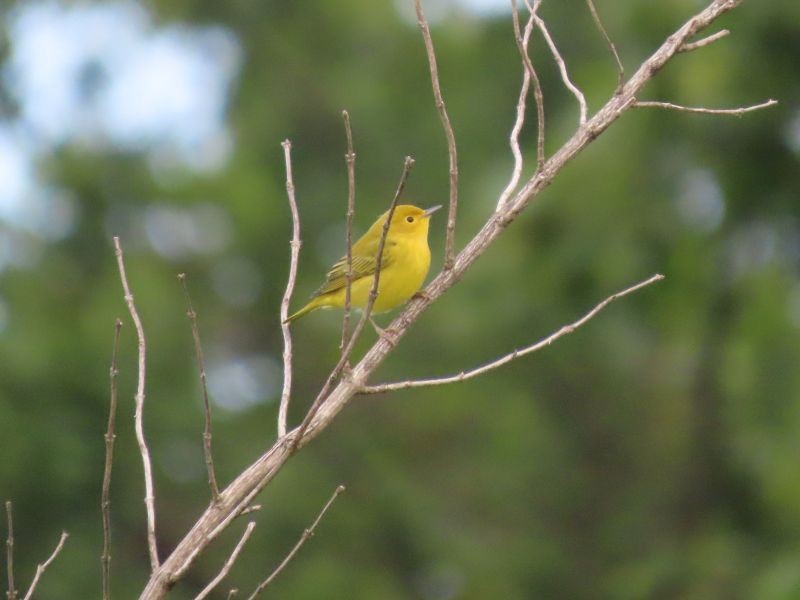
pixel 652 454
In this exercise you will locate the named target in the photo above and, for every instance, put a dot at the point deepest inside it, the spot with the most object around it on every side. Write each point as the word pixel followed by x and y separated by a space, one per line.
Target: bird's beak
pixel 431 210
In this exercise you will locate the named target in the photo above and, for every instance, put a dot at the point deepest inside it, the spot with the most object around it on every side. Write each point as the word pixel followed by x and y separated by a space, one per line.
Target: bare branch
pixel 228 563
pixel 241 492
pixel 609 43
pixel 307 533
pixel 373 294
pixel 449 245
pixel 149 497
pixel 562 67
pixel 565 330
pixel 350 159
pixel 528 74
pixel 286 393
pixel 198 351
pixel 689 46
pixel 12 590
pixel 736 112
pixel 40 568
pixel 105 502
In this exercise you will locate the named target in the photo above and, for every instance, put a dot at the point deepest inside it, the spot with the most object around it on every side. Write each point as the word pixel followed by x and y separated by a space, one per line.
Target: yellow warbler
pixel 404 265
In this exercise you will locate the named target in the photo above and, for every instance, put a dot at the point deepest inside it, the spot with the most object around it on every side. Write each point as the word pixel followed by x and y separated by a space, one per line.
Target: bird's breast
pixel 408 267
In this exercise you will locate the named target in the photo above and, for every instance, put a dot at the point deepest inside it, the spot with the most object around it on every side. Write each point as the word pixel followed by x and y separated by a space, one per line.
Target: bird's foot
pixel 388 334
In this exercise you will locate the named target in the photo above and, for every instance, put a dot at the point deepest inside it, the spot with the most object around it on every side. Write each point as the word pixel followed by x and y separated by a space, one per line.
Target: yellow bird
pixel 404 266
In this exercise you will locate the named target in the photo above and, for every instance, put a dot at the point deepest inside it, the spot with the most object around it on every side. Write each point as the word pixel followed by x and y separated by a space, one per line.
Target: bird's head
pixel 410 220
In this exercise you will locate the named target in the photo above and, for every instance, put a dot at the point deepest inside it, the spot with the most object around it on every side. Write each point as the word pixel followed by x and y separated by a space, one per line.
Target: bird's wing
pixel 363 266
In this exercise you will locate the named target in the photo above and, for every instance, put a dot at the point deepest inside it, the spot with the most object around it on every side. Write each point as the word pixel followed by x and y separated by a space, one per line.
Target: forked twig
pixel 350 159
pixel 228 563
pixel 12 590
pixel 736 112
pixel 40 568
pixel 105 502
pixel 562 67
pixel 609 43
pixel 449 245
pixel 307 533
pixel 149 498
pixel 12 593
pixel 528 75
pixel 198 352
pixel 295 244
pixel 373 294
pixel 565 330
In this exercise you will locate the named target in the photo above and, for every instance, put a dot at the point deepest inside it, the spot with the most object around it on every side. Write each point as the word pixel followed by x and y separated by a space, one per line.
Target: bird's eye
pixel 409 219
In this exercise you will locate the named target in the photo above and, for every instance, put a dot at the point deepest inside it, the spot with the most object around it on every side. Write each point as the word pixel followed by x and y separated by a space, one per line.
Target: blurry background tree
pixel 653 454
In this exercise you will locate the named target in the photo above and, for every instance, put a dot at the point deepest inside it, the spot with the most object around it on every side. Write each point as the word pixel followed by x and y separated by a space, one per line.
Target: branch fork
pixel 518 353
pixel 12 593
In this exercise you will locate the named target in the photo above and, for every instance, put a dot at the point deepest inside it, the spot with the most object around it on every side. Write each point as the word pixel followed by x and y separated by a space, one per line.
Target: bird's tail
pixel 303 311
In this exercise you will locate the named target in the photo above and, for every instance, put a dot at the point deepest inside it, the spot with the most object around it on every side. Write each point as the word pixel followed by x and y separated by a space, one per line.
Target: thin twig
pixel 562 67
pixel 149 497
pixel 373 294
pixel 307 533
pixel 198 351
pixel 566 329
pixel 12 590
pixel 449 245
pixel 610 44
pixel 736 112
pixel 538 97
pixel 295 244
pixel 228 563
pixel 689 46
pixel 250 509
pixel 350 159
pixel 105 502
pixel 40 568
pixel 528 74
